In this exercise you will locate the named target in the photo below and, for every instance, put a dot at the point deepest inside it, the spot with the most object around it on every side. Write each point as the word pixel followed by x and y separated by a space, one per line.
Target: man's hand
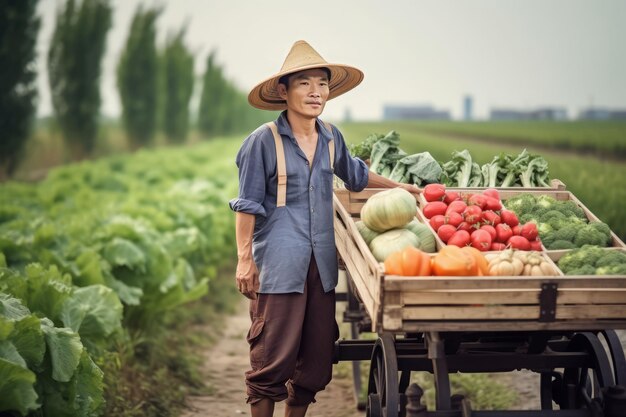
pixel 412 188
pixel 247 277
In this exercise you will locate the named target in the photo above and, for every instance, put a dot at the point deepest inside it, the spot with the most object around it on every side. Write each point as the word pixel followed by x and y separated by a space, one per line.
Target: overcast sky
pixel 504 53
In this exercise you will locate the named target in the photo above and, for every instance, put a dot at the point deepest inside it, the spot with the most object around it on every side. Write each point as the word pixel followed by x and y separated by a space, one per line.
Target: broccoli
pixel 589 235
pixel 612 270
pixel 521 204
pixel 571 206
pixel 547 202
pixel 587 255
pixel 583 270
pixel 560 244
pixel 611 258
pixel 566 232
pixel 601 227
pixel 547 239
pixel 544 229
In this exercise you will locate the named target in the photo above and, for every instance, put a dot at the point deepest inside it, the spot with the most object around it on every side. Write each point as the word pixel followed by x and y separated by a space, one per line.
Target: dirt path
pixel 224 368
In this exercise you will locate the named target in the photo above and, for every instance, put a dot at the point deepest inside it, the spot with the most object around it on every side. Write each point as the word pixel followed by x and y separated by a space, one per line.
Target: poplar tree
pixel 74 68
pixel 178 83
pixel 137 78
pixel 19 27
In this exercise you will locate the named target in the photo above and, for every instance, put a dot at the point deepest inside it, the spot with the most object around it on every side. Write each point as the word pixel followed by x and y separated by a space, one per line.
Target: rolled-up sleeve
pixel 352 171
pixel 250 161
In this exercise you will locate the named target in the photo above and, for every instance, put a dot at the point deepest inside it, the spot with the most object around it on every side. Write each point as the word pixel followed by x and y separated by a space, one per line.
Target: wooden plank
pixel 412 326
pixel 499 312
pixel 591 312
pixel 457 297
pixel 395 283
pixel 471 313
pixel 392 312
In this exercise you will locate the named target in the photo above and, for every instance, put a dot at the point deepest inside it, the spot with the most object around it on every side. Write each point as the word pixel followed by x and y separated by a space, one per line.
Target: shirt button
pixel 307 162
pixel 312 209
pixel 314 243
pixel 311 188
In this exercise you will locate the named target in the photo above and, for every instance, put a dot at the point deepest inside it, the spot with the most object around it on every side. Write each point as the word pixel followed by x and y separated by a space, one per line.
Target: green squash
pixel 389 209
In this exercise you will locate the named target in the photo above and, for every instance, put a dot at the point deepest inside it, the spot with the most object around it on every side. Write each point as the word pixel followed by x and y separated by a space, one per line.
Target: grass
pixel 602 138
pixel 152 377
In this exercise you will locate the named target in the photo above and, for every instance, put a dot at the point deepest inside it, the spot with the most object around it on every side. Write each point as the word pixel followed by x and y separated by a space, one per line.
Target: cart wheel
pixel 581 386
pixel 383 381
pixel 617 356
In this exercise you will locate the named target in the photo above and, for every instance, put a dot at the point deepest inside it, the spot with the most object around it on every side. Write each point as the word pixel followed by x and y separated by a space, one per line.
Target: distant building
pixel 468 107
pixel 414 113
pixel 546 113
pixel 596 113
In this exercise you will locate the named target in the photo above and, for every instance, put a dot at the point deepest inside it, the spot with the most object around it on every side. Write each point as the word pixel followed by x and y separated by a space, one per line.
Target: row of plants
pixel 95 261
pixel 604 138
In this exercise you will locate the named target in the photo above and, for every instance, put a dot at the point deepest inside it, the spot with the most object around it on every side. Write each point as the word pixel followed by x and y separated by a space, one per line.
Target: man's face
pixel 307 92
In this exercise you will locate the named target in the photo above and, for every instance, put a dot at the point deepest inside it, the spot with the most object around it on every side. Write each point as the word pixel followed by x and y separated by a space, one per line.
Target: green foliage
pixel 179 77
pixel 74 67
pixel 94 262
pixel 137 77
pixel 19 26
pixel 223 108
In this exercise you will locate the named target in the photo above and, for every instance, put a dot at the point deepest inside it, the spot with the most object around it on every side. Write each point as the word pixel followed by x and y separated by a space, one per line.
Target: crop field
pixel 603 138
pixel 598 182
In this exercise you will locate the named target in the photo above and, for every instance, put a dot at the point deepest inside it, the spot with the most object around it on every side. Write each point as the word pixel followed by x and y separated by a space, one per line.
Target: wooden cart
pixel 561 327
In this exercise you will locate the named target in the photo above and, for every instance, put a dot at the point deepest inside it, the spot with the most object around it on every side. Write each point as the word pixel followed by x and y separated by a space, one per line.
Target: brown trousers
pixel 291 343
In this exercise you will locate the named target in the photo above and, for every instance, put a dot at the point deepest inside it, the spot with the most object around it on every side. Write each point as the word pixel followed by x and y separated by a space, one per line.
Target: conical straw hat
pixel 302 57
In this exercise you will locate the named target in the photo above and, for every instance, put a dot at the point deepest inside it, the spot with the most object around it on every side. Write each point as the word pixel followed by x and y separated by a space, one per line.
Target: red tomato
pixel 497 246
pixel 490 229
pixel 437 221
pixel 492 192
pixel 433 208
pixel 457 205
pixel 509 218
pixel 445 232
pixel 434 192
pixel 529 231
pixel 466 226
pixel 519 242
pixel 460 238
pixel 472 214
pixel 451 196
pixel 536 245
pixel 503 232
pixel 481 239
pixel 492 203
pixel 454 218
pixel 491 217
pixel 477 200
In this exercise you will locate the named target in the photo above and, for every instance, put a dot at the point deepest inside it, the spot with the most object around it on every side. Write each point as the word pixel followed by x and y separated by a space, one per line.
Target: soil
pixel 227 360
pixel 225 364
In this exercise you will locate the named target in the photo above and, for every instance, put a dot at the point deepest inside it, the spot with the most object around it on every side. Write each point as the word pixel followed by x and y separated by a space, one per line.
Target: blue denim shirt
pixel 284 237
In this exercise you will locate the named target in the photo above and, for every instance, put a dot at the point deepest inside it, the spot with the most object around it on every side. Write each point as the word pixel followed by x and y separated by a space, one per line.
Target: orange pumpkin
pixel 410 261
pixel 453 261
pixel 481 261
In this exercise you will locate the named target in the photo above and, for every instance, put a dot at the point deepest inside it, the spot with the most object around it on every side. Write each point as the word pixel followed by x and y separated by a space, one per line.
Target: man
pixel 287 262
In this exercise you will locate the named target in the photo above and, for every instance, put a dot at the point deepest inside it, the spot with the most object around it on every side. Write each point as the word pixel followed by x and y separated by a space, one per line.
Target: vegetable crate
pixel 506 193
pixel 561 327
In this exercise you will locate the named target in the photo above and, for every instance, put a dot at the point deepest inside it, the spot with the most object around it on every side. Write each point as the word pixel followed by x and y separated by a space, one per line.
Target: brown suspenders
pixel 281 191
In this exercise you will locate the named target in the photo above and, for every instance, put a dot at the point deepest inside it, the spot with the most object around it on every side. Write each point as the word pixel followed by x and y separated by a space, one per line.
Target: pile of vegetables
pixel 476 219
pixel 525 170
pixel 449 261
pixel 388 224
pixel 593 260
pixel 561 224
pixel 512 262
pixel 387 159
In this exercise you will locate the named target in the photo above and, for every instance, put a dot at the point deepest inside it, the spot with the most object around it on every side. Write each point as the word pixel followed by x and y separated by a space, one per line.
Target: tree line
pixel 155 84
